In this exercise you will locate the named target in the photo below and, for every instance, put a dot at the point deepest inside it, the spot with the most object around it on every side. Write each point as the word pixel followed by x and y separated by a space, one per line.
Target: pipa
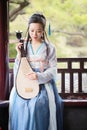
pixel 25 87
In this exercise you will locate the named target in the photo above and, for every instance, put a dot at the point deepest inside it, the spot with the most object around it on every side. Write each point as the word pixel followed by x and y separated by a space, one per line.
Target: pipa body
pixel 26 88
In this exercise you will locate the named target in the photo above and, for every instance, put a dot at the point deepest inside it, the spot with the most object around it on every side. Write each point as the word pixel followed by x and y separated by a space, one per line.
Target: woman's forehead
pixel 35 26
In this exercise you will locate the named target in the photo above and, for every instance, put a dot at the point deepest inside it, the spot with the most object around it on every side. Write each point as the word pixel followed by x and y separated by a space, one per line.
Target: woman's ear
pixel 42 37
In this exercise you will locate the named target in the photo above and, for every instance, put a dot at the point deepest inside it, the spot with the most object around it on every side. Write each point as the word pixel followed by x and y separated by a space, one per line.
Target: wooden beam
pixel 4 69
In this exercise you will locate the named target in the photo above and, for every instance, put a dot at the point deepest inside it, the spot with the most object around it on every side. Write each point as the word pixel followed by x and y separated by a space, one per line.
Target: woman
pixel 45 111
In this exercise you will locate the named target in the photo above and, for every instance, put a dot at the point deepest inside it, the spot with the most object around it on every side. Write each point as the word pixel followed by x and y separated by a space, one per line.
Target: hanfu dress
pixel 45 111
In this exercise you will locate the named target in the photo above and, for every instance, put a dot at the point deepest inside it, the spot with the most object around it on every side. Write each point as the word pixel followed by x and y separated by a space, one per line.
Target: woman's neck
pixel 35 45
pixel 35 42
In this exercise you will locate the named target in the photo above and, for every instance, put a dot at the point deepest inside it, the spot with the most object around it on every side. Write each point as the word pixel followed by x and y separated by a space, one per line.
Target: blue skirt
pixel 33 114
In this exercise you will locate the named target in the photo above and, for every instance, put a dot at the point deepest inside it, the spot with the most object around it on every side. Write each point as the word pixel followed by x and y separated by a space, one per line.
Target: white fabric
pixel 52 107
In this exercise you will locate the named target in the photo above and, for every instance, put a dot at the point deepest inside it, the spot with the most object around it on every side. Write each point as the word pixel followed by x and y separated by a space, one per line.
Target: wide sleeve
pixel 51 71
pixel 15 69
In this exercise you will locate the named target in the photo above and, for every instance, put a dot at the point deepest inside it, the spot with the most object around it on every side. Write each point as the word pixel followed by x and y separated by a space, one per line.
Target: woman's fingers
pixel 18 46
pixel 32 76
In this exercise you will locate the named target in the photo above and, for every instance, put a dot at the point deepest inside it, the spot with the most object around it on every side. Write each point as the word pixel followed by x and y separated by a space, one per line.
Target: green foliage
pixel 64 15
pixel 12 51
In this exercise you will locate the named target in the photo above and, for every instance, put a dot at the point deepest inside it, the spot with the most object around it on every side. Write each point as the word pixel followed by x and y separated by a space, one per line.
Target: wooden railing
pixel 72 77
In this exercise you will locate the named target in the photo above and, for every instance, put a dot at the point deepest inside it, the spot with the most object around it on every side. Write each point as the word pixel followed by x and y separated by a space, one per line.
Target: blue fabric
pixel 33 114
pixel 30 114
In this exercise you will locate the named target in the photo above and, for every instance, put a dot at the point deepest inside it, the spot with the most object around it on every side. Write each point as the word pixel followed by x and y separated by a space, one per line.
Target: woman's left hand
pixel 32 76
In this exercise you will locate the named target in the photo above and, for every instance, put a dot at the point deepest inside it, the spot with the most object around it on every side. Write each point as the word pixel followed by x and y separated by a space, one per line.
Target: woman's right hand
pixel 18 49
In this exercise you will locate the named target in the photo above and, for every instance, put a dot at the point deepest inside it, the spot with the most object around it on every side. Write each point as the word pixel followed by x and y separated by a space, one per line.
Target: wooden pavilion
pixel 75 104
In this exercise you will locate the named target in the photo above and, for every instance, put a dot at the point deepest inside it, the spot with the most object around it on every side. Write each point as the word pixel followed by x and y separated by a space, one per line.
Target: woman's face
pixel 36 31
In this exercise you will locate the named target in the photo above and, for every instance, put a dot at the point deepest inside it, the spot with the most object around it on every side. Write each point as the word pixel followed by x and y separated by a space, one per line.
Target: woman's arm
pixel 51 72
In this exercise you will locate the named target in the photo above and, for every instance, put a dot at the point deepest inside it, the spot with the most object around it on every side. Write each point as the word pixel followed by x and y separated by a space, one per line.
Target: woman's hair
pixel 38 18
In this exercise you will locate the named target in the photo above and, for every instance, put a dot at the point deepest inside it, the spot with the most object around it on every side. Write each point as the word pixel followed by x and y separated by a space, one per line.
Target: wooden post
pixel 4 69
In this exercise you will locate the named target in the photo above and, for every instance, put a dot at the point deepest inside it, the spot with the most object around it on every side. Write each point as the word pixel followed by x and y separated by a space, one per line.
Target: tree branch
pixel 14 13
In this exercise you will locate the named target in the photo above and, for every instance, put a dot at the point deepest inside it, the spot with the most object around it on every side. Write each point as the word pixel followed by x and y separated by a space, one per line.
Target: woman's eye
pixel 38 31
pixel 32 30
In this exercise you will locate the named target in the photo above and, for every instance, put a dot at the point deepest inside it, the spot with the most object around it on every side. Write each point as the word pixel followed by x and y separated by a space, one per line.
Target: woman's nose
pixel 35 33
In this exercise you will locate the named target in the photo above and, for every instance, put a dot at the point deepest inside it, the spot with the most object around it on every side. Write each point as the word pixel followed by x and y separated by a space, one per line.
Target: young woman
pixel 44 111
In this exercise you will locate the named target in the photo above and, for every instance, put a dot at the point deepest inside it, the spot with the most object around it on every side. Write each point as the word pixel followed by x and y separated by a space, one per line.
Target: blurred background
pixel 67 20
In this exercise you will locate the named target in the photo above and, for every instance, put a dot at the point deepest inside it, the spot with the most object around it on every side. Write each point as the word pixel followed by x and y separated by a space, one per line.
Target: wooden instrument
pixel 25 87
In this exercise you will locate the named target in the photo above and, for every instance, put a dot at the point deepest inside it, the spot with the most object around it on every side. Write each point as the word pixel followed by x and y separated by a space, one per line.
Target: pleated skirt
pixel 35 114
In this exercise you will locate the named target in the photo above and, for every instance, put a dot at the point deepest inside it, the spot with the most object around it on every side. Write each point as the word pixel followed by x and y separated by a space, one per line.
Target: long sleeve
pixel 51 71
pixel 16 64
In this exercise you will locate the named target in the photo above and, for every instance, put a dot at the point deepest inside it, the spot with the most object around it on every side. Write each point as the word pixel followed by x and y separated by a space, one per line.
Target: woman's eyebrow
pixel 37 29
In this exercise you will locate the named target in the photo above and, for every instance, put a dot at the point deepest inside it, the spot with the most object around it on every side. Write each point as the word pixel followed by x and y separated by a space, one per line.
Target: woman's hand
pixel 32 76
pixel 18 49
